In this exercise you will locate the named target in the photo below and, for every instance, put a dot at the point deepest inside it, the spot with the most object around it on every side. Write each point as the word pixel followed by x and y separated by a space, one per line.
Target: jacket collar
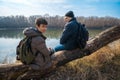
pixel 41 34
pixel 72 19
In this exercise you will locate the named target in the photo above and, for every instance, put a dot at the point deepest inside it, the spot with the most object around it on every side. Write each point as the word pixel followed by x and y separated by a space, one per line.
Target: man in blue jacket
pixel 68 37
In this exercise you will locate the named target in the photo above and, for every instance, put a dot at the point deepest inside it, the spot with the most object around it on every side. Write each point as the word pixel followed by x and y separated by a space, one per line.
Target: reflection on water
pixel 16 33
pixel 7 49
pixel 9 39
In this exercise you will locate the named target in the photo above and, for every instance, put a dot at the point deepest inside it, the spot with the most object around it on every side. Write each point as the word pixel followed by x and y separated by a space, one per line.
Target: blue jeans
pixel 59 47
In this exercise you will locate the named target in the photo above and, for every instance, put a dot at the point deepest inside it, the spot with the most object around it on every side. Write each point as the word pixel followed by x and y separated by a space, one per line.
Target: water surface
pixel 9 39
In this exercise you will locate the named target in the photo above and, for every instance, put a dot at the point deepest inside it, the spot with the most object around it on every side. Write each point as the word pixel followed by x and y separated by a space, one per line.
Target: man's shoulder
pixel 37 39
pixel 72 23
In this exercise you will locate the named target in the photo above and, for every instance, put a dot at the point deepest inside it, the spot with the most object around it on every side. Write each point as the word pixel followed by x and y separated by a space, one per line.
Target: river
pixel 9 39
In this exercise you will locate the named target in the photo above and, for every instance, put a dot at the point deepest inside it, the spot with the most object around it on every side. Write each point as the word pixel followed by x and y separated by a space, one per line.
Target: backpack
pixel 24 51
pixel 82 36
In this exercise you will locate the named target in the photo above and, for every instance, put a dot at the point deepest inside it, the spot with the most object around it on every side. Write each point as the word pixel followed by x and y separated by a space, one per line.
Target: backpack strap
pixel 79 30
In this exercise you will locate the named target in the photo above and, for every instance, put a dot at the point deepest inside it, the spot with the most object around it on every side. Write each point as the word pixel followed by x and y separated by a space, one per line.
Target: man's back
pixel 68 38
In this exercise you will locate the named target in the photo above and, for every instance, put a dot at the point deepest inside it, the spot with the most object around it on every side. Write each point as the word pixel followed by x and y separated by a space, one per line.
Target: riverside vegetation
pixel 104 64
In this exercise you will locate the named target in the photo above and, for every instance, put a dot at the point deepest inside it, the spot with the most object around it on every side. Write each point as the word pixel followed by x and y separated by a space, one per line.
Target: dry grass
pixel 101 65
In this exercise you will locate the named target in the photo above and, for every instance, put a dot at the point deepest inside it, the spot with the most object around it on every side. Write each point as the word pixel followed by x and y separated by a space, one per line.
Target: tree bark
pixel 12 71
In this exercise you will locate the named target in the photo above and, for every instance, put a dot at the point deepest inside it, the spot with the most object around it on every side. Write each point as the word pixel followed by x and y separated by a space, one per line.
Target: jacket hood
pixel 31 32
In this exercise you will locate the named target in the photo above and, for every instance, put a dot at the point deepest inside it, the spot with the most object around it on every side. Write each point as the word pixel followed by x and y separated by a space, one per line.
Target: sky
pixel 100 8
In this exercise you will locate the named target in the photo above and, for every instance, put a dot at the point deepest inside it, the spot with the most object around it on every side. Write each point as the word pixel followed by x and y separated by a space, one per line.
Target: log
pixel 20 71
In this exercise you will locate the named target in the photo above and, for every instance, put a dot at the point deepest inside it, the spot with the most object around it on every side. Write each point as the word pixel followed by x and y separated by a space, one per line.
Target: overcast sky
pixel 85 8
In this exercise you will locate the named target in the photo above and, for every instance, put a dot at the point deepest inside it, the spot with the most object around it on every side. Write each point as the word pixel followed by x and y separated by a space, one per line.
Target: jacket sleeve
pixel 66 33
pixel 42 48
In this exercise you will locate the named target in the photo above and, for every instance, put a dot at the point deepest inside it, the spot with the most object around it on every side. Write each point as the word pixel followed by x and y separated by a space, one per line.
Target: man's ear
pixel 37 26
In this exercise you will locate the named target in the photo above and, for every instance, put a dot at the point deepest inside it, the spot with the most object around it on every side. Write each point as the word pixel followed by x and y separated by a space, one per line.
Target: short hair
pixel 39 21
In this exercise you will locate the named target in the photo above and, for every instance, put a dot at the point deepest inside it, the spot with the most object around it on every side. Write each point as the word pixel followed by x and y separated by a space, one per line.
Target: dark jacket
pixel 38 46
pixel 68 38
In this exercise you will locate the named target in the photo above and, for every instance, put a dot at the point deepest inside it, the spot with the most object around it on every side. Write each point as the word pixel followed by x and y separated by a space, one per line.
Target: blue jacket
pixel 68 37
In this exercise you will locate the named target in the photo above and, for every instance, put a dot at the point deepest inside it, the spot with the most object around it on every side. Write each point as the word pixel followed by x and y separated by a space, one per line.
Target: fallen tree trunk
pixel 12 71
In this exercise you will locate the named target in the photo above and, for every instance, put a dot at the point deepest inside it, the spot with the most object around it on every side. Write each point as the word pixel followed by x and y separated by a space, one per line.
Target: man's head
pixel 68 16
pixel 41 24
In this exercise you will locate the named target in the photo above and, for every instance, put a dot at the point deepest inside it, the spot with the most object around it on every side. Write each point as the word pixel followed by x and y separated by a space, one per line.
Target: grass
pixel 104 64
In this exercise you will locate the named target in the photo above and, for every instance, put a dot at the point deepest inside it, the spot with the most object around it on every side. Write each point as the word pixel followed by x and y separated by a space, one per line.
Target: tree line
pixel 94 22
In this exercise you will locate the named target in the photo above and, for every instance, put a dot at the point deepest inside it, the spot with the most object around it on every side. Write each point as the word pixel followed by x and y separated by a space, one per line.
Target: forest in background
pixel 92 22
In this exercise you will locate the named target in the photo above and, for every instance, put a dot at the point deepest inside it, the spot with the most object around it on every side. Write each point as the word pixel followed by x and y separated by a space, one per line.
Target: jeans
pixel 59 48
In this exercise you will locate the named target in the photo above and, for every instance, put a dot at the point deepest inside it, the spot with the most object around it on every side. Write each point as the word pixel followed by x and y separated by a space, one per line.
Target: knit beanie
pixel 69 14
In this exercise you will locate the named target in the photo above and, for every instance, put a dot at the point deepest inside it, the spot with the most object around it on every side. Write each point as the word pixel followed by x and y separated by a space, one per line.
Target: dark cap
pixel 69 14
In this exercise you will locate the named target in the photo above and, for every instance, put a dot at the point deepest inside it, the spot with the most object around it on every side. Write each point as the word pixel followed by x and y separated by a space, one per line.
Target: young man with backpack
pixel 32 49
pixel 71 37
